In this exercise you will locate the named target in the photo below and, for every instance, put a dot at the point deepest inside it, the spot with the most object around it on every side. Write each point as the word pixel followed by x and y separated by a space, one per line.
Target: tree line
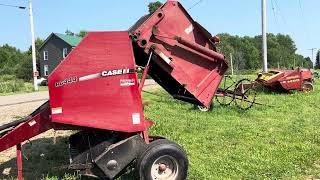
pixel 245 52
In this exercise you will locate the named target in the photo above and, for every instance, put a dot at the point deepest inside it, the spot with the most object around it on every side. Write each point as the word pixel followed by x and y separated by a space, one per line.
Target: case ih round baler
pixel 95 91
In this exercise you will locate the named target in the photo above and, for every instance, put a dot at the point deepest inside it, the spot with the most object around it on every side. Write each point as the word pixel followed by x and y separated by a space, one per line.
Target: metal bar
pixel 14 123
pixel 145 73
pixel 200 48
pixel 19 162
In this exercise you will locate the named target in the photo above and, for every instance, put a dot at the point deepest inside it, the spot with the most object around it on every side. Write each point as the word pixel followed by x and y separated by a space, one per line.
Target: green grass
pixel 280 141
pixel 276 142
pixel 10 85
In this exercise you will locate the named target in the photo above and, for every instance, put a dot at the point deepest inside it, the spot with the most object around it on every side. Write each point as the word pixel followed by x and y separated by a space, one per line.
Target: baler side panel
pixel 101 90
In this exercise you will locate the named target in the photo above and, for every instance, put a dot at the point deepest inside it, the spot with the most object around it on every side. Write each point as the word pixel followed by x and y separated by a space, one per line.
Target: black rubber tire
pixel 157 149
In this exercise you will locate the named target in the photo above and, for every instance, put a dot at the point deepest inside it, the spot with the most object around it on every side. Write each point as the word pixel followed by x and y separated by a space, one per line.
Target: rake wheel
pixel 244 94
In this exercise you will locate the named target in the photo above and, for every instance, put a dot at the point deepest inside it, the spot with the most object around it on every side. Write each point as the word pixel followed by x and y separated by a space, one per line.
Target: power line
pixel 283 19
pixel 274 12
pixel 304 21
pixel 195 4
pixel 9 5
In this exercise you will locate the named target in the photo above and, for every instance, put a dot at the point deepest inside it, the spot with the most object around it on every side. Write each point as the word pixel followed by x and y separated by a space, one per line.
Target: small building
pixel 53 50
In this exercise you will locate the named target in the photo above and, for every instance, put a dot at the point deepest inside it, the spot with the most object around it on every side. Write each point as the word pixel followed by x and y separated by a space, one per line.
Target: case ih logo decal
pixel 116 72
pixel 67 81
pixel 106 73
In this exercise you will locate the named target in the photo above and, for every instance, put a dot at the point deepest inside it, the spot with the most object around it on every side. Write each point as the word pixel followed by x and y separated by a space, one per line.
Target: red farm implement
pixel 95 91
pixel 284 81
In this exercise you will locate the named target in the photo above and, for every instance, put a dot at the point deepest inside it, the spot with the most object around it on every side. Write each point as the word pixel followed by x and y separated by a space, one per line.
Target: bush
pixel 7 77
pixel 14 86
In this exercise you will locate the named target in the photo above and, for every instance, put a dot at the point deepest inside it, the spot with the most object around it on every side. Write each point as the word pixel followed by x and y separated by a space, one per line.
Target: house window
pixel 46 70
pixel 45 55
pixel 64 52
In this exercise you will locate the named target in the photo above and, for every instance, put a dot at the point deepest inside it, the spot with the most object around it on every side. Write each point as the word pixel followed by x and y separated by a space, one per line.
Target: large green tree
pixel 153 6
pixel 9 58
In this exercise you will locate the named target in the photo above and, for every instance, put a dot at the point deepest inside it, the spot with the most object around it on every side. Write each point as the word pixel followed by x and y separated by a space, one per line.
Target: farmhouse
pixel 54 49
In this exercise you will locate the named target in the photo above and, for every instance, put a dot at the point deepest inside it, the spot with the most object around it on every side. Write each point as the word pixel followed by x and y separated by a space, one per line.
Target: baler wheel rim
pixel 166 153
pixel 165 167
pixel 307 87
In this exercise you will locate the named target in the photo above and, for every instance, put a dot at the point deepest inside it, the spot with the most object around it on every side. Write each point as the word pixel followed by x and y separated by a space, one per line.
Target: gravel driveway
pixel 14 106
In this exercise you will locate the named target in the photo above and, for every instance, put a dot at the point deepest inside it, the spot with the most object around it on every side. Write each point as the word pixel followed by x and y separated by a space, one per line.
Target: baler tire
pixel 307 87
pixel 160 151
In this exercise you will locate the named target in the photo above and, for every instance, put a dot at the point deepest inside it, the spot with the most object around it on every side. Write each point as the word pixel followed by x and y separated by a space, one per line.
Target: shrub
pixel 14 86
pixel 7 77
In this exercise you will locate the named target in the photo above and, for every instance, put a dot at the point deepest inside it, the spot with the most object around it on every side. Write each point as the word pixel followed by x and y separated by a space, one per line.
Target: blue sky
pixel 237 17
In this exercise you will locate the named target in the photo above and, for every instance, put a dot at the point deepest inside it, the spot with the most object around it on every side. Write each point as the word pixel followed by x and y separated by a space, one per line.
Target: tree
pixel 9 58
pixel 317 66
pixel 307 63
pixel 69 33
pixel 24 68
pixel 38 44
pixel 153 6
pixel 82 33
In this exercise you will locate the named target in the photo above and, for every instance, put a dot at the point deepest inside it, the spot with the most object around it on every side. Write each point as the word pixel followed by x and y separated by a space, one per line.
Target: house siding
pixel 54 46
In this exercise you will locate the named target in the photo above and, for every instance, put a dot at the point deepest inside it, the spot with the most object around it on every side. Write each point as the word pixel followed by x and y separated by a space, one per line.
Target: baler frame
pixel 18 131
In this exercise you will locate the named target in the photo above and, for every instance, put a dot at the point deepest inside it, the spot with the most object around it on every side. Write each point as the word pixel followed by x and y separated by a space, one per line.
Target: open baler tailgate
pixel 185 62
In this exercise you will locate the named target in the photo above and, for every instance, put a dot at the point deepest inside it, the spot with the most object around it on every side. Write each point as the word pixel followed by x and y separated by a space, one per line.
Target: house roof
pixel 71 40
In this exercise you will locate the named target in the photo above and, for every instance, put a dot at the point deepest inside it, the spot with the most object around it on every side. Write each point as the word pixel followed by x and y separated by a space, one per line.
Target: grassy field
pixel 280 141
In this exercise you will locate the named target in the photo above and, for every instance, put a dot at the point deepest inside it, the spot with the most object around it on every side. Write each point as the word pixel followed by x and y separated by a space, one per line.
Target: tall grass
pixel 10 84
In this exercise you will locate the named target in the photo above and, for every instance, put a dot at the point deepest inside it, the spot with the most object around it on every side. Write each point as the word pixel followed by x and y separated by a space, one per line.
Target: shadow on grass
pixel 41 160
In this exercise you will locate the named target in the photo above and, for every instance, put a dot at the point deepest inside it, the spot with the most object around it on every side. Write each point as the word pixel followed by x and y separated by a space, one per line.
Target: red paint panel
pixel 194 62
pixel 90 100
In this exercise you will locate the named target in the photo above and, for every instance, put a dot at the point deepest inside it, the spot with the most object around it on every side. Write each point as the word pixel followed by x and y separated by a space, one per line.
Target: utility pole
pixel 312 51
pixel 231 63
pixel 264 35
pixel 33 44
